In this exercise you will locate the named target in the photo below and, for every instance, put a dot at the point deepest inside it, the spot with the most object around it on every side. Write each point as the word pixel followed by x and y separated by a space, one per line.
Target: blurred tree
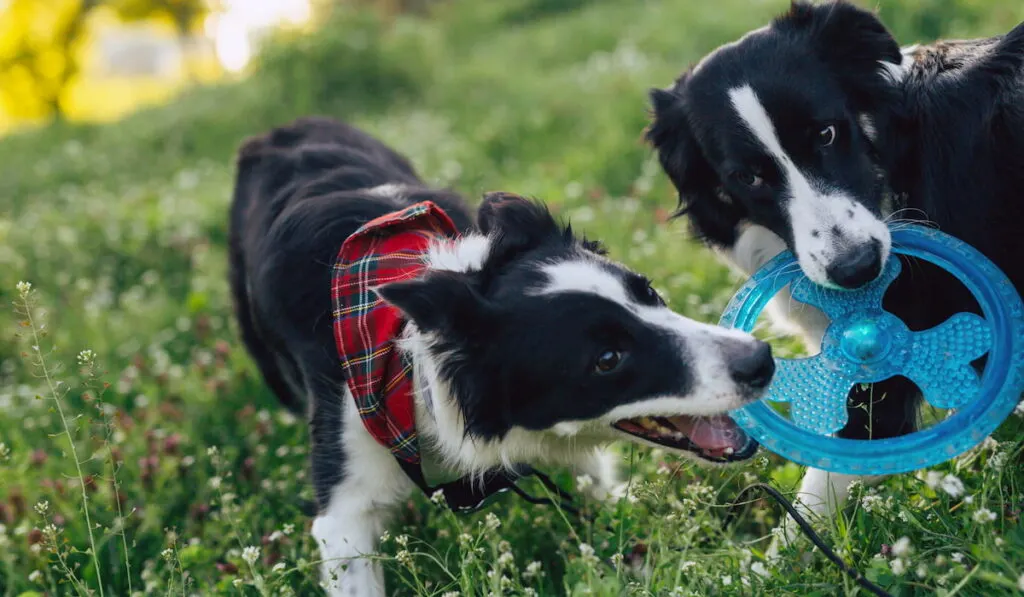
pixel 39 54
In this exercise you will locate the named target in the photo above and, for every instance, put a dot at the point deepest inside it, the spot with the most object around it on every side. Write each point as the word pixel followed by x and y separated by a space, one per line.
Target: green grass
pixel 184 458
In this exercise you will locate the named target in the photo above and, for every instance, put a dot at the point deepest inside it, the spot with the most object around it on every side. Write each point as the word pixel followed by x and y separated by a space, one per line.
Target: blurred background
pixel 118 124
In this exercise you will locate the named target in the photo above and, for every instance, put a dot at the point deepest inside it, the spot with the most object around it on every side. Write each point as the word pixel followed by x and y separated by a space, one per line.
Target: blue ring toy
pixel 865 344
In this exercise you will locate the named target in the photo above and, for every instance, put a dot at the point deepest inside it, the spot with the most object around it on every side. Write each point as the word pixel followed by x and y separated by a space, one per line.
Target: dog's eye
pixel 653 296
pixel 748 179
pixel 827 135
pixel 608 361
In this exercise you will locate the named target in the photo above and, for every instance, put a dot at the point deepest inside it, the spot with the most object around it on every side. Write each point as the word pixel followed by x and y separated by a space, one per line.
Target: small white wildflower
pixel 491 521
pixel 24 288
pixel 957 557
pixel 385 537
pixel 687 565
pixel 1000 542
pixel 898 566
pixel 617 559
pixel 902 547
pixel 86 358
pixel 968 499
pixel 276 536
pixel 932 479
pixel 211 451
pixel 215 482
pixel 506 559
pixel 726 581
pixel 278 568
pixel 402 540
pixel 42 507
pixel 452 594
pixel 759 569
pixel 584 482
pixel 983 515
pixel 871 503
pixel 529 592
pixel 288 529
pixel 237 582
pixel 438 497
pixel 404 557
pixel 251 554
pixel 167 554
pixel 922 571
pixel 465 539
pixel 1020 582
pixel 587 553
pixel 997 460
pixel 5 452
pixel 952 485
pixel 35 576
pixel 533 569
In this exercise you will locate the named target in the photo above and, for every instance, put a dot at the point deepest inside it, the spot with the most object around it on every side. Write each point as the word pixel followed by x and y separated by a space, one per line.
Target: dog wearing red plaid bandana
pixel 416 337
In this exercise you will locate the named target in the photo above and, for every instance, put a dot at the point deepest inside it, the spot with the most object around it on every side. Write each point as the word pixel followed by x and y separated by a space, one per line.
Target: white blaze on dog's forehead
pixel 465 254
pixel 823 221
pixel 585 275
pixel 389 190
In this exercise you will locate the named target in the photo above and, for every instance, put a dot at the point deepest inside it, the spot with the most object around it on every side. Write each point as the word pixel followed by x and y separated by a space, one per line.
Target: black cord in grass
pixel 814 537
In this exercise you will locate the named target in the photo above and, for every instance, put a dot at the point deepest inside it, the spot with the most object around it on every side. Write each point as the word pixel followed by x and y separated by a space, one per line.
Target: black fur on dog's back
pixel 300 191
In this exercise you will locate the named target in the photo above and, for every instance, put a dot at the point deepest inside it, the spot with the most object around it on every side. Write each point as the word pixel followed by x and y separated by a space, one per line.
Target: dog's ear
pixel 514 224
pixel 700 190
pixel 440 301
pixel 854 42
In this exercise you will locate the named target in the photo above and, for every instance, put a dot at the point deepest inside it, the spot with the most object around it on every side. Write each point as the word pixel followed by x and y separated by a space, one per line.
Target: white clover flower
pixel 491 521
pixel 983 515
pixel 932 479
pixel 922 571
pixel 871 503
pixel 952 485
pixel 901 547
pixel 1000 542
pixel 215 482
pixel 289 528
pixel 898 566
pixel 167 554
pixel 278 568
pixel 24 288
pixel 42 507
pixel 957 557
pixel 533 569
pixel 211 451
pixel 250 554
pixel 465 539
pixel 506 559
pixel 402 540
pixel 237 582
pixel 587 552
pixel 584 482
pixel 726 581
pixel 35 576
pixel 5 451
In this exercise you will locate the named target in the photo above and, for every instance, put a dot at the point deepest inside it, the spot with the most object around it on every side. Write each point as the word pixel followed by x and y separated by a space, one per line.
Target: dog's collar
pixel 380 377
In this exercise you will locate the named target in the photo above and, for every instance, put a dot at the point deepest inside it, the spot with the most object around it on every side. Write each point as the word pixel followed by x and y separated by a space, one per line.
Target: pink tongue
pixel 711 434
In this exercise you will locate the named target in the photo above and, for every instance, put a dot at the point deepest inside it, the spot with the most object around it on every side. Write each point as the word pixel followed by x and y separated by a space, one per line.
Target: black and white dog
pixel 522 341
pixel 813 133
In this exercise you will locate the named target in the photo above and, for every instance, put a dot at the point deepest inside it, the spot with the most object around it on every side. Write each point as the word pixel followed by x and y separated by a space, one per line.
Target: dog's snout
pixel 750 363
pixel 857 265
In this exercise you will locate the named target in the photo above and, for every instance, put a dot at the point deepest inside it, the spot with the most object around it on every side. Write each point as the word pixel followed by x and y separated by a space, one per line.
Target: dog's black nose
pixel 856 266
pixel 750 363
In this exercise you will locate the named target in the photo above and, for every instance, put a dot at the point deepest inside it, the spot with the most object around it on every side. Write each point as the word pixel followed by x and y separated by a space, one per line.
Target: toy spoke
pixel 838 303
pixel 817 393
pixel 940 362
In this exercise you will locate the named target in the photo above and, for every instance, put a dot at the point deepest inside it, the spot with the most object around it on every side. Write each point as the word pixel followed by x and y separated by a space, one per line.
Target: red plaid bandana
pixel 390 248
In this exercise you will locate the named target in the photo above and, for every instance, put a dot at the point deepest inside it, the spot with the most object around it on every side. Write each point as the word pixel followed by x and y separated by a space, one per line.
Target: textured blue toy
pixel 865 344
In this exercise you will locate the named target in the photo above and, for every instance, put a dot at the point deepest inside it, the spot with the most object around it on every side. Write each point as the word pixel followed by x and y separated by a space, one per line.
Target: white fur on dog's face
pixel 824 221
pixel 702 345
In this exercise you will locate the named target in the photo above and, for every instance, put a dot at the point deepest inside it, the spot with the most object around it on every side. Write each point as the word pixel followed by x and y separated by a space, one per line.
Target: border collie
pixel 515 340
pixel 815 132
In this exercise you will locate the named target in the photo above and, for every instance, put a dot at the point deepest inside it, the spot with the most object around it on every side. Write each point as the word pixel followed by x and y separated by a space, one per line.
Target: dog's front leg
pixel 357 482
